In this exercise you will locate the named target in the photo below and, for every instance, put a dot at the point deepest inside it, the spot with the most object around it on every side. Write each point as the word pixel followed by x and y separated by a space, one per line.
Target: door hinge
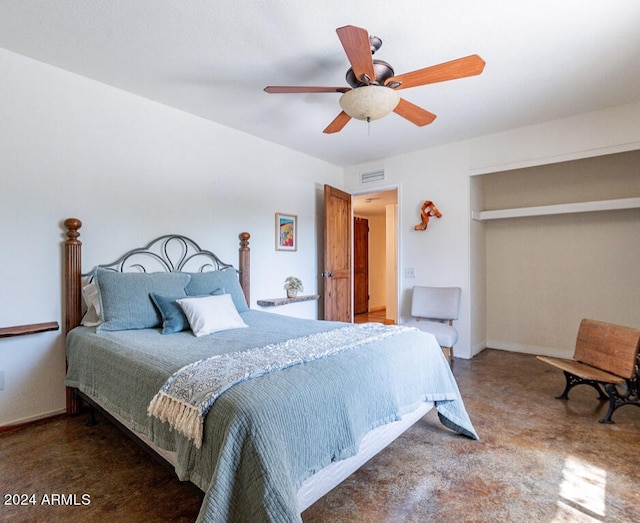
pixel 327 275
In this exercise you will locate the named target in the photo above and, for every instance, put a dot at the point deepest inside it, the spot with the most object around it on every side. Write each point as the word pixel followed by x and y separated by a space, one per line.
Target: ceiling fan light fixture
pixel 369 102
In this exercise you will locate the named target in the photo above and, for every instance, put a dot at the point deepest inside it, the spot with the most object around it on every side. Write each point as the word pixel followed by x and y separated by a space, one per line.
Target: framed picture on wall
pixel 286 232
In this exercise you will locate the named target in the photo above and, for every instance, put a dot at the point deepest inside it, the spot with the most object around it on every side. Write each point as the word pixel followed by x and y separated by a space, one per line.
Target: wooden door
pixel 337 255
pixel 360 265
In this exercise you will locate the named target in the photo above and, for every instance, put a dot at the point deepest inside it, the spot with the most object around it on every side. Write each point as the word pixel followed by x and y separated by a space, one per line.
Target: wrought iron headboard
pixel 168 253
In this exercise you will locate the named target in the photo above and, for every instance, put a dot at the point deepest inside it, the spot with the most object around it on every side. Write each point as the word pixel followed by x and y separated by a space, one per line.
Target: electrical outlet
pixel 1 380
pixel 409 272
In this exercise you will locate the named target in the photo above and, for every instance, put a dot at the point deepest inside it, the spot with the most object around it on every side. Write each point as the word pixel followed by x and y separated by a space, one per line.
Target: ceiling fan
pixel 374 85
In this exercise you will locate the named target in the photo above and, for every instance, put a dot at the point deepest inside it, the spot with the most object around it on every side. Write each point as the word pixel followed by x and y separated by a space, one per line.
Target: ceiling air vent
pixel 372 176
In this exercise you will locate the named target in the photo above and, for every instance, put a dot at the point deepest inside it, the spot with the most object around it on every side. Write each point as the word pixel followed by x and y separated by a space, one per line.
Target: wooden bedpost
pixel 245 265
pixel 72 293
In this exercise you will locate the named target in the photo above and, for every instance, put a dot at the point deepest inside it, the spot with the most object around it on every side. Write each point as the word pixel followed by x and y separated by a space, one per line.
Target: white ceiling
pixel 546 59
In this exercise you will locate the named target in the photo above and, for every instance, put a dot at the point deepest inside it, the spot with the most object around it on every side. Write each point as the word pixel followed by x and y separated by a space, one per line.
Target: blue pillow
pixel 203 283
pixel 124 297
pixel 173 318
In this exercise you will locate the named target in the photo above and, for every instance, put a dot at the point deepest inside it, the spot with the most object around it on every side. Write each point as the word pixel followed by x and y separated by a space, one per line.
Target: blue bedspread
pixel 264 437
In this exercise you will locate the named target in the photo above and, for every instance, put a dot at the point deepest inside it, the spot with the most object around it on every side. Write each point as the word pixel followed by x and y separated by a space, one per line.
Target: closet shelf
pixel 562 208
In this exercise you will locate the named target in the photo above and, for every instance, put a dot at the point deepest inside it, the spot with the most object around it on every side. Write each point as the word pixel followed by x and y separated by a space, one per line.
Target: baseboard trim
pixel 26 422
pixel 554 352
pixel 478 348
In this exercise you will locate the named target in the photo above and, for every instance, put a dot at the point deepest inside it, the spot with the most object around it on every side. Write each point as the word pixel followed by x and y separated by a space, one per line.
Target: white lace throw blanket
pixel 186 397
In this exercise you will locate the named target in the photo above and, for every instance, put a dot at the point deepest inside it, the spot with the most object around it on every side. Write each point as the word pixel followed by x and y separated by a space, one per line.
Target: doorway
pixel 379 211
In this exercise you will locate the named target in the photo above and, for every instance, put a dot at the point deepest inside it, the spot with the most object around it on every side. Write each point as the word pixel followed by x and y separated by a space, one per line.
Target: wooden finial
pixel 244 240
pixel 245 265
pixel 72 225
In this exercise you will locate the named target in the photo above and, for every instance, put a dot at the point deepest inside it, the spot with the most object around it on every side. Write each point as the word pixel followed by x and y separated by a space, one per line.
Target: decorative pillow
pixel 211 314
pixel 173 318
pixel 202 283
pixel 91 299
pixel 125 301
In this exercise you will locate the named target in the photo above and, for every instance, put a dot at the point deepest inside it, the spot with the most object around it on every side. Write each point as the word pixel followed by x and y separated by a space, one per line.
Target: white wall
pixel 131 170
pixel 478 272
pixel 439 255
pixel 611 130
pixel 452 250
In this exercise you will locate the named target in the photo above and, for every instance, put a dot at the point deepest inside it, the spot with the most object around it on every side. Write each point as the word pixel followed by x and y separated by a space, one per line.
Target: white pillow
pixel 210 314
pixel 91 299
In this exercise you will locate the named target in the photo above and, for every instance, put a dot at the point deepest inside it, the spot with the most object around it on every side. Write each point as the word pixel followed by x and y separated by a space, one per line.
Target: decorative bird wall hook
pixel 428 210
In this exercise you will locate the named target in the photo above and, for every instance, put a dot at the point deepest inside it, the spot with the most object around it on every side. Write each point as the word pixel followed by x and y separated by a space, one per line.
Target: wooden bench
pixel 606 355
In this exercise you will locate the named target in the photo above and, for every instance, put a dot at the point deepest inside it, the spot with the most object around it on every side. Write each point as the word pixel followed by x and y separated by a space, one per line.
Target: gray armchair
pixel 433 310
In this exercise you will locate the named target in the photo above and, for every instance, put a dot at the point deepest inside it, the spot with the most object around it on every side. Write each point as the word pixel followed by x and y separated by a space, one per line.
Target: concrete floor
pixel 538 459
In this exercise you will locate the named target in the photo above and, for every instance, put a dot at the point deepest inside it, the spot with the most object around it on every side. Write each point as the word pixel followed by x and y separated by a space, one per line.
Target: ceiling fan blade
pixel 338 123
pixel 460 68
pixel 413 113
pixel 355 41
pixel 304 89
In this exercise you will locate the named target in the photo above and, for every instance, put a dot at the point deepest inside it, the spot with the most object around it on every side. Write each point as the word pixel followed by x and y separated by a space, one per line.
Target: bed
pixel 263 412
